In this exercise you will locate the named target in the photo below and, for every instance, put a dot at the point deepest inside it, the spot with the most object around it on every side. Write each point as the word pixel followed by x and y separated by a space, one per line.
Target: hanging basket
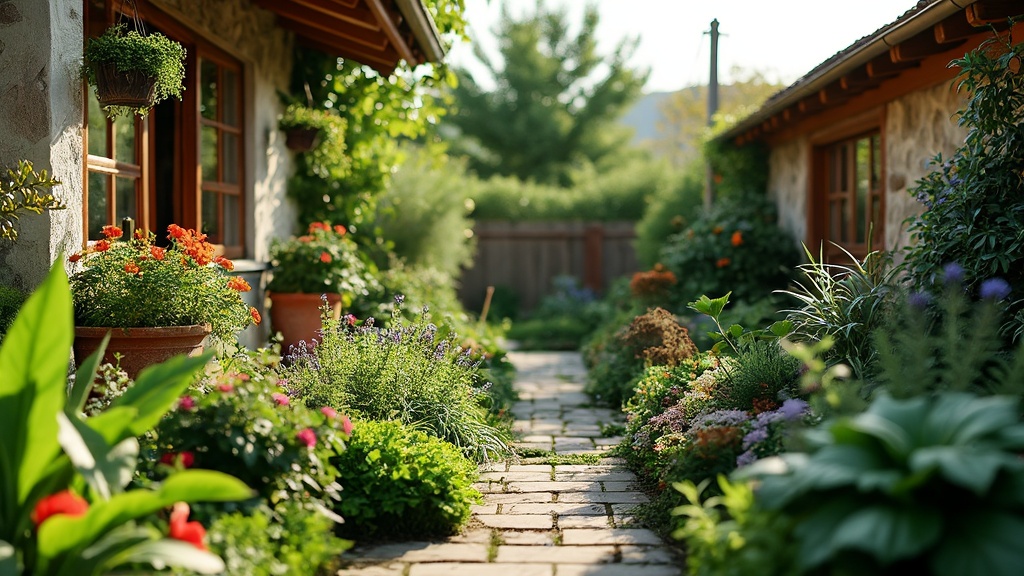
pixel 131 89
pixel 301 139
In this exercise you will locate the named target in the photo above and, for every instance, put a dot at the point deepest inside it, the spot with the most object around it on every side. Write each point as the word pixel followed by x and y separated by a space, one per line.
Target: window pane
pixel 232 220
pixel 211 221
pixel 124 139
pixel 835 219
pixel 863 178
pixel 208 87
pixel 99 187
pixel 127 204
pixel 844 177
pixel 230 155
pixel 97 126
pixel 209 153
pixel 876 162
pixel 230 101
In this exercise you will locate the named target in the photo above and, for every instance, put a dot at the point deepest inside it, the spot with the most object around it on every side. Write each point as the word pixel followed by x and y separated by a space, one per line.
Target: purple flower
pixel 952 273
pixel 721 418
pixel 919 300
pixel 793 408
pixel 994 289
pixel 754 436
pixel 746 459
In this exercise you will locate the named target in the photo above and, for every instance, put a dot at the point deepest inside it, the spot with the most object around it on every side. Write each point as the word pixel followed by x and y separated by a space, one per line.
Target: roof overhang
pixel 378 33
pixel 929 28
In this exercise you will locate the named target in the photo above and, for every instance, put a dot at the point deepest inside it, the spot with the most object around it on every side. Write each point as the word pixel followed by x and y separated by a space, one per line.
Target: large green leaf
pixel 895 439
pixel 157 388
pixel 971 467
pixel 33 361
pixel 982 542
pixel 163 553
pixel 84 377
pixel 107 469
pixel 814 532
pixel 888 532
pixel 961 418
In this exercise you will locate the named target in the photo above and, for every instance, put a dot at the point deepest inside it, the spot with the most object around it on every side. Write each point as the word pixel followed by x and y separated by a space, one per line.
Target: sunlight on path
pixel 542 519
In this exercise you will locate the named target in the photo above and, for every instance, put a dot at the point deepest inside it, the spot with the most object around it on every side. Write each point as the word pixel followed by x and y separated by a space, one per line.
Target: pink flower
pixel 171 459
pixel 307 437
pixel 226 387
pixel 346 425
pixel 280 399
pixel 329 412
pixel 186 403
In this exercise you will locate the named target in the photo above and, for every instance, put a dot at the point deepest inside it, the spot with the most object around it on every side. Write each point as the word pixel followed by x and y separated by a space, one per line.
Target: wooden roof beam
pixel 990 11
pixel 883 66
pixel 390 27
pixel 919 47
pixel 302 19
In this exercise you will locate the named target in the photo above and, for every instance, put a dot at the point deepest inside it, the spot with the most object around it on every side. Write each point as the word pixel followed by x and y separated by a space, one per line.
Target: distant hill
pixel 645 115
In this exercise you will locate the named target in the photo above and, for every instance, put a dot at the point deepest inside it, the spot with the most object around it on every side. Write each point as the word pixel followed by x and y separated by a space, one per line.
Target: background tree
pixel 555 99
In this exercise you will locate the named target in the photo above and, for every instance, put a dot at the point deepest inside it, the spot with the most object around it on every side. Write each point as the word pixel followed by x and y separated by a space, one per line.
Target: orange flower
pixel 157 252
pixel 305 239
pixel 723 262
pixel 737 238
pixel 131 267
pixel 239 283
pixel 75 257
pixel 101 245
pixel 175 232
pixel 224 263
pixel 181 529
pixel 64 502
pixel 319 226
pixel 325 258
pixel 716 230
pixel 256 318
pixel 339 229
pixel 141 234
pixel 112 232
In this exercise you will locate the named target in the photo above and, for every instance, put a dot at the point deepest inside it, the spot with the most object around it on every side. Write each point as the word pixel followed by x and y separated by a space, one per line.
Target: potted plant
pixel 323 264
pixel 304 127
pixel 132 71
pixel 155 302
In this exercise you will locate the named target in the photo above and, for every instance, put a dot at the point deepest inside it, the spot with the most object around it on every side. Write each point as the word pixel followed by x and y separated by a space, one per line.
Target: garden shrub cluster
pixel 562 319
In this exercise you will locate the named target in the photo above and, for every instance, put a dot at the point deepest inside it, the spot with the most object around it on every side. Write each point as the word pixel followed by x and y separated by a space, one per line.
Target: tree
pixel 551 113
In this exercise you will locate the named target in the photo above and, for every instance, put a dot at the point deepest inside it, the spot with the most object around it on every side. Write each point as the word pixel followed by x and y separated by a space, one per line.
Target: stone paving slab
pixel 539 519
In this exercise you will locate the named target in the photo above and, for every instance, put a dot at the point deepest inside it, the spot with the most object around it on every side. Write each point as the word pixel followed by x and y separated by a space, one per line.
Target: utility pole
pixel 709 190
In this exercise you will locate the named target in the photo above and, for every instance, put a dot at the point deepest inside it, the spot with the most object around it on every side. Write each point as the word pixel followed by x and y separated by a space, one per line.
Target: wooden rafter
pixel 992 11
pixel 389 23
pixel 920 47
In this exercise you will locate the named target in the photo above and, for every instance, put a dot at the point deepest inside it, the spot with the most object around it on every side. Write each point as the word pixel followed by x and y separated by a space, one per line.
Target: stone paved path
pixel 542 519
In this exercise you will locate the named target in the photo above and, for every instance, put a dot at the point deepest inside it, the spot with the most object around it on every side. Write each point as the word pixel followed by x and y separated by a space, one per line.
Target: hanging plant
pixel 132 71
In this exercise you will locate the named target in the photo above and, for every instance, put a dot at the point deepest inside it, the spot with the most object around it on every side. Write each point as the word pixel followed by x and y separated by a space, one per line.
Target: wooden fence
pixel 523 258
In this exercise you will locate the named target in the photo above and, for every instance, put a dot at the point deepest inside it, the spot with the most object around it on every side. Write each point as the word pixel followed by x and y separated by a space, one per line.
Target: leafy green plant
pixel 974 201
pixel 49 452
pixel 152 55
pixel 134 283
pixel 324 260
pixel 11 300
pixel 729 535
pixel 847 302
pixel 923 485
pixel 23 189
pixel 327 158
pixel 419 373
pixel 399 481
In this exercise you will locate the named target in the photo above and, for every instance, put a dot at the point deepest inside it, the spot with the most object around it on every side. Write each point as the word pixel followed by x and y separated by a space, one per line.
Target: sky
pixel 783 39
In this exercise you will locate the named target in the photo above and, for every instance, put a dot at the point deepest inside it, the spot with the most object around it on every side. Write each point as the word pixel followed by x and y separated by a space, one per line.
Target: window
pixel 848 200
pixel 183 162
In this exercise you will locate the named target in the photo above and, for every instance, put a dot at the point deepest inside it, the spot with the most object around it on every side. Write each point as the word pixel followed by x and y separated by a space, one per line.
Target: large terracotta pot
pixel 140 347
pixel 296 316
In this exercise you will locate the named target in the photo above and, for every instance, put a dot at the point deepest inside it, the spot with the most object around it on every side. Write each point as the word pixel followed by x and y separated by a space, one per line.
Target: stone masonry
pixel 542 519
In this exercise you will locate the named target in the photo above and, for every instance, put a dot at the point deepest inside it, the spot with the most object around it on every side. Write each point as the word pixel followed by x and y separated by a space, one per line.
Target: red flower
pixel 176 232
pixel 172 458
pixel 339 229
pixel 305 239
pixel 181 529
pixel 158 252
pixel 101 245
pixel 307 437
pixel 226 387
pixel 112 232
pixel 280 399
pixel 64 502
pixel 140 234
pixel 224 263
pixel 723 262
pixel 186 403
pixel 131 268
pixel 256 318
pixel 325 258
pixel 238 283
pixel 346 426
pixel 319 226
pixel 737 238
pixel 329 412
pixel 75 257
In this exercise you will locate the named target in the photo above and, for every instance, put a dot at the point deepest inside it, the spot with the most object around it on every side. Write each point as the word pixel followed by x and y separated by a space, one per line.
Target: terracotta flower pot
pixel 301 139
pixel 297 317
pixel 140 347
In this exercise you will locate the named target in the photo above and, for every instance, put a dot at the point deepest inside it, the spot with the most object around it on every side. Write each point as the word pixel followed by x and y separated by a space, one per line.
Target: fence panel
pixel 525 257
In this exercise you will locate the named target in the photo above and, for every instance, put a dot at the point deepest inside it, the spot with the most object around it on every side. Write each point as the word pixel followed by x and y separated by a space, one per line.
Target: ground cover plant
pixel 416 372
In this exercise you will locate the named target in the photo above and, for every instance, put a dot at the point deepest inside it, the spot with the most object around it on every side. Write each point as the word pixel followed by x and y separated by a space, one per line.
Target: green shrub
pixel 736 246
pixel 562 319
pixel 975 200
pixel 419 373
pixel 764 376
pixel 928 485
pixel 670 210
pixel 327 158
pixel 11 300
pixel 22 189
pixel 400 482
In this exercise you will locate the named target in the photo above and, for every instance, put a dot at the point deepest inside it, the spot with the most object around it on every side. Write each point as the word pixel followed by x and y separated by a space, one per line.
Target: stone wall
pixel 250 34
pixel 917 127
pixel 41 121
pixel 787 186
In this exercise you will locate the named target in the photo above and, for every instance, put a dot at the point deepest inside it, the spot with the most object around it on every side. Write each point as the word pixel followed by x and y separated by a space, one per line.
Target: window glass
pixel 127 203
pixel 99 189
pixel 208 82
pixel 230 101
pixel 211 221
pixel 97 126
pixel 124 139
pixel 232 226
pixel 209 153
pixel 230 157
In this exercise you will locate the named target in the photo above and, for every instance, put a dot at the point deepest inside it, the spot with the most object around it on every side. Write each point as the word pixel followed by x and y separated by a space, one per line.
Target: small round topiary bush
pixel 399 482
